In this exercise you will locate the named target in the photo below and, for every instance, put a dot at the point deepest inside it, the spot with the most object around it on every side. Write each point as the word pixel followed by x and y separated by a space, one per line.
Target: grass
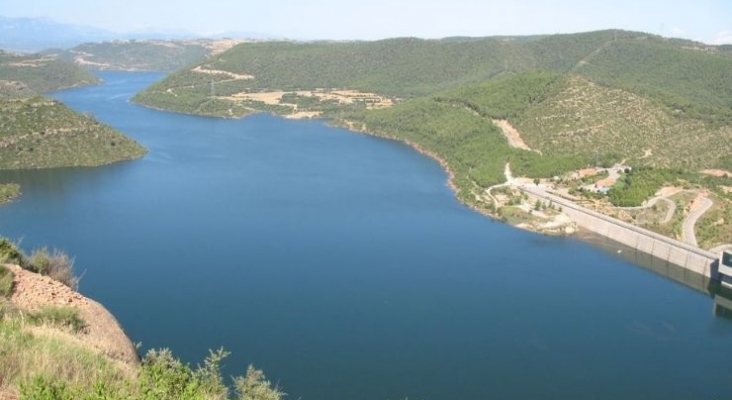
pixel 714 228
pixel 673 228
pixel 58 316
pixel 6 282
pixel 42 359
pixel 27 356
pixel 514 215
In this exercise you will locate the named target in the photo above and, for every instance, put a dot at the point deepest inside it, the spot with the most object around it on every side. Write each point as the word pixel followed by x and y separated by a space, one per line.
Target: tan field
pixel 341 96
pixel 232 75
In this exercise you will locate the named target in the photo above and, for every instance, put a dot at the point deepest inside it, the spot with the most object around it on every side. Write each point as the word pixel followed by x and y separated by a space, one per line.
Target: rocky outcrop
pixel 102 332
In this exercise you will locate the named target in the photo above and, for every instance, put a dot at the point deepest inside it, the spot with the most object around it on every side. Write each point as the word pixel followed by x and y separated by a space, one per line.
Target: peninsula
pixel 38 132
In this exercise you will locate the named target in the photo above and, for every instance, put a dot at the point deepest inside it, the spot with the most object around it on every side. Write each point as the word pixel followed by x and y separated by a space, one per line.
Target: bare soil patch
pixel 717 172
pixel 512 134
pixel 103 333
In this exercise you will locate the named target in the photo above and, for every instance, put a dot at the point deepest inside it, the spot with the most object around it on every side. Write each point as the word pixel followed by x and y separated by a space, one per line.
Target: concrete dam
pixel 690 258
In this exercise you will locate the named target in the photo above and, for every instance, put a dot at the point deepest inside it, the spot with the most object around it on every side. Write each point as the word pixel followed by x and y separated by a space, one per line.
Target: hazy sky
pixel 704 20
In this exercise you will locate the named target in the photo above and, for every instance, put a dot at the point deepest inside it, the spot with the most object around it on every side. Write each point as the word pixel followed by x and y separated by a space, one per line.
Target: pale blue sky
pixel 709 21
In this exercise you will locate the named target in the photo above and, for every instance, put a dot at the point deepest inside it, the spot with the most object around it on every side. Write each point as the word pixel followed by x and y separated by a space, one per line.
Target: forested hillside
pixel 43 133
pixel 606 94
pixel 562 102
pixel 37 132
pixel 41 73
pixel 143 55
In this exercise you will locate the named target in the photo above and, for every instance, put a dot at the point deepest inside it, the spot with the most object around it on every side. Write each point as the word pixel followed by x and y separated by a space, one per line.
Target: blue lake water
pixel 343 266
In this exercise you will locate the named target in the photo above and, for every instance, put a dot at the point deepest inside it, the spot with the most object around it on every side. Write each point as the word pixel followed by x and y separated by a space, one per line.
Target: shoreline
pixel 350 126
pixel 445 166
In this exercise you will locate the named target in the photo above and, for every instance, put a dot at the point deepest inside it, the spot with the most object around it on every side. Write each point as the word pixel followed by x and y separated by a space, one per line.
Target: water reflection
pixel 61 182
pixel 721 294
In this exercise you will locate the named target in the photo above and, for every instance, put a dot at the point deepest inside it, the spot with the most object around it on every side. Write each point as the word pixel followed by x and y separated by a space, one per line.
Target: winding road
pixel 652 202
pixel 687 233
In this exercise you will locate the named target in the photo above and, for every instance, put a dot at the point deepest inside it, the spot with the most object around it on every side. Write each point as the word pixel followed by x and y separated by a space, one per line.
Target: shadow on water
pixel 60 181
pixel 721 294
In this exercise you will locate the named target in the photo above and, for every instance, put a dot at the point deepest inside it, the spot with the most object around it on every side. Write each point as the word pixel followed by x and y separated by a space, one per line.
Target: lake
pixel 343 266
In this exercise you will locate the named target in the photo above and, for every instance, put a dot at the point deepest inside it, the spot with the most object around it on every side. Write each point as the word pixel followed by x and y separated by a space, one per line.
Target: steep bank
pixel 57 344
pixel 49 331
pixel 102 332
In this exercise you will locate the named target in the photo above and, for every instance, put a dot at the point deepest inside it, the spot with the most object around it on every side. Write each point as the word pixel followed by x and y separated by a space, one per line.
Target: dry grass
pixel 6 282
pixel 714 228
pixel 29 351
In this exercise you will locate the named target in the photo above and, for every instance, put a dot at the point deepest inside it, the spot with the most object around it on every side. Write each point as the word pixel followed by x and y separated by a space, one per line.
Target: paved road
pixel 541 192
pixel 687 232
pixel 652 202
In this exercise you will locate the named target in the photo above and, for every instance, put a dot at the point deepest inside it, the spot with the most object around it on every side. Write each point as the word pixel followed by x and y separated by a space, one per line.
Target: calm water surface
pixel 343 266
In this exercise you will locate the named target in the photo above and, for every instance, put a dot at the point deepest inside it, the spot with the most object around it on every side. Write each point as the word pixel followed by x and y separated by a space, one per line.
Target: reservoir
pixel 343 266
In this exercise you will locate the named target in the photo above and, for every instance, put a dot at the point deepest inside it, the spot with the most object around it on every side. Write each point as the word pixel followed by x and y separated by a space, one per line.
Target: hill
pixel 549 105
pixel 43 133
pixel 570 114
pixel 36 132
pixel 143 55
pixel 41 73
pixel 618 94
pixel 408 68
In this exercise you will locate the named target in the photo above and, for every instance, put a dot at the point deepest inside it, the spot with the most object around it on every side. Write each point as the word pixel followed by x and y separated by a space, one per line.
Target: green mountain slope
pixel 43 133
pixel 43 74
pixel 401 68
pixel 692 80
pixel 569 114
pixel 142 55
pixel 563 102
pixel 686 77
pixel 36 132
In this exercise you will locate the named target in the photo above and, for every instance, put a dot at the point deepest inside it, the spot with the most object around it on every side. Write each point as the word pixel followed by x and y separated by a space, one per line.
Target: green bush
pixel 161 377
pixel 10 252
pixel 255 386
pixel 57 264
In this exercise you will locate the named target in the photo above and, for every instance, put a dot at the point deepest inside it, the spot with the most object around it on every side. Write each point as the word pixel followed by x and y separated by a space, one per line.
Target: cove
pixel 343 266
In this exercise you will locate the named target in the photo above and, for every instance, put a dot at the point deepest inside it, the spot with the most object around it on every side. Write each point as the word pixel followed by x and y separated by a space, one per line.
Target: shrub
pixel 161 376
pixel 10 252
pixel 58 265
pixel 255 386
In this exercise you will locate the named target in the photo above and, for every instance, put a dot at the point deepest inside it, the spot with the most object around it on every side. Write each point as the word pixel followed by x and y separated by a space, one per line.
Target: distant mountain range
pixel 35 34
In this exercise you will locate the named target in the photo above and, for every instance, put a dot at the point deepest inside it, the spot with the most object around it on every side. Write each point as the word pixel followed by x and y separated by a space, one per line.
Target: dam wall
pixel 689 257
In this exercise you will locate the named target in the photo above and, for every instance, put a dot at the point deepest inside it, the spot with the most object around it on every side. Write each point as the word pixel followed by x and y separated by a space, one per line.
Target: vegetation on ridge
pixel 597 98
pixel 37 132
pixel 42 74
pixel 43 133
pixel 137 55
pixel 57 264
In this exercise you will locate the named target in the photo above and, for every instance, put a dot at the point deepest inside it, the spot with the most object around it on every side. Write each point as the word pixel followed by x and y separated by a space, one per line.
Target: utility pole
pixel 213 89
